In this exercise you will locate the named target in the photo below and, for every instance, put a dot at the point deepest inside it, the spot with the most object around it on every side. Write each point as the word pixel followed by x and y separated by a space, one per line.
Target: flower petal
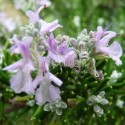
pixel 37 81
pixel 53 25
pixel 43 63
pixel 104 41
pixel 63 48
pixel 21 82
pixel 24 50
pixel 48 27
pixel 99 33
pixel 17 65
pixel 34 16
pixel 54 93
pixel 53 78
pixel 56 57
pixel 42 94
pixel 114 51
pixel 39 96
pixel 52 43
pixel 22 46
pixel 70 59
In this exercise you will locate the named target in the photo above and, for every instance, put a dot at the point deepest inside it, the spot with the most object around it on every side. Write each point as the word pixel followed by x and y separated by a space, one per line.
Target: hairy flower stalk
pixel 40 50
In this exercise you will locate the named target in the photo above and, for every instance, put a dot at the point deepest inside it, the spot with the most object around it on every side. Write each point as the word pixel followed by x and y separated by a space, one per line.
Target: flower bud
pixel 73 42
pixel 84 32
pixel 98 110
pixel 120 103
pixel 83 55
pixel 81 44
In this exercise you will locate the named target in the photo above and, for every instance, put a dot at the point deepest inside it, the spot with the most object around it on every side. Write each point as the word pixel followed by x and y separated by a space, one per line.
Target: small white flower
pixel 95 100
pixel 120 103
pixel 116 75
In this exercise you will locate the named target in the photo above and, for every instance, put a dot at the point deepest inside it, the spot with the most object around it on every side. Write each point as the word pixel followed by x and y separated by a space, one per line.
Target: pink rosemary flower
pixel 48 27
pixel 61 53
pixel 46 92
pixel 21 81
pixel 34 16
pixel 103 38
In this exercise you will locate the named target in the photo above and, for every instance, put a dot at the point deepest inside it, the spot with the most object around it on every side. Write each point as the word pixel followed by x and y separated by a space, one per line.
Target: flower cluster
pixel 115 76
pixel 94 46
pixel 40 50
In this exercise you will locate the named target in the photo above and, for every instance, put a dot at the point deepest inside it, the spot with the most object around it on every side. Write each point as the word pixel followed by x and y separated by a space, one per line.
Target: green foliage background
pixel 79 113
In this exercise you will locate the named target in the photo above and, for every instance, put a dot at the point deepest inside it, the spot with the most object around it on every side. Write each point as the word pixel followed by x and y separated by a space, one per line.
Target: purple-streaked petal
pixel 43 63
pixel 26 40
pixel 37 81
pixel 63 48
pixel 46 92
pixel 29 64
pixel 22 46
pixel 57 58
pixel 99 33
pixel 70 59
pixel 105 40
pixel 52 43
pixel 24 50
pixel 58 53
pixel 42 94
pixel 17 65
pixel 114 51
pixel 21 82
pixel 48 27
pixel 54 25
pixel 54 93
pixel 39 96
pixel 34 16
pixel 14 49
pixel 53 78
